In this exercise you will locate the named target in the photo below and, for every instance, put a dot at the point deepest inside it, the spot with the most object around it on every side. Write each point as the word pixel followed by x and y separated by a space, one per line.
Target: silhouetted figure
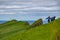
pixel 49 19
pixel 53 18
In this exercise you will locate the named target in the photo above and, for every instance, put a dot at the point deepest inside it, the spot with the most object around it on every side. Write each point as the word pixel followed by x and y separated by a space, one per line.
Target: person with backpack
pixel 49 19
pixel 53 18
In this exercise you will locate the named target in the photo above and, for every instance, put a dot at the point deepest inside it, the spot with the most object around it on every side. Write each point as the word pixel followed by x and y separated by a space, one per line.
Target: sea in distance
pixel 29 21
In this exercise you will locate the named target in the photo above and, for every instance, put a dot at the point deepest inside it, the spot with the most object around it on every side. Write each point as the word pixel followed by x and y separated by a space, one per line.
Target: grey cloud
pixel 29 5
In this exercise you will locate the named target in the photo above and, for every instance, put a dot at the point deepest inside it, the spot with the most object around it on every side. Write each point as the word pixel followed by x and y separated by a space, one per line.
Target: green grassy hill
pixel 50 31
pixel 12 27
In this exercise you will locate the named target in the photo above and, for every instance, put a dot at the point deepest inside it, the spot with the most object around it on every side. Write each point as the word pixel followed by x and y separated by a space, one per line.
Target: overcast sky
pixel 28 9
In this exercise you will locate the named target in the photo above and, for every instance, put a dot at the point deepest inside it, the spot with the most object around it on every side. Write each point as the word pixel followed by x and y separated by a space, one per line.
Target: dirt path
pixel 55 33
pixel 57 36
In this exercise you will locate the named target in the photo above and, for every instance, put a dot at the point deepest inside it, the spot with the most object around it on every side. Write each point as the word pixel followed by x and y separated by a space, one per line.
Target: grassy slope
pixel 43 32
pixel 12 27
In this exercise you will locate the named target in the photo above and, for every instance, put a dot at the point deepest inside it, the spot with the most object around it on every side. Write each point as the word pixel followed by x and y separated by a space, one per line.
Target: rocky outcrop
pixel 37 23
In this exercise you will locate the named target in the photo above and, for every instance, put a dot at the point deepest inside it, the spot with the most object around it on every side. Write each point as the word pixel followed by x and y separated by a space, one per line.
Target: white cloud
pixel 21 3
pixel 12 6
pixel 23 12
pixel 7 13
pixel 44 5
pixel 40 8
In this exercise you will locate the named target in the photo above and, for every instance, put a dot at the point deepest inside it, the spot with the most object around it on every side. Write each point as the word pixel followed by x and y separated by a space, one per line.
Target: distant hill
pixel 50 31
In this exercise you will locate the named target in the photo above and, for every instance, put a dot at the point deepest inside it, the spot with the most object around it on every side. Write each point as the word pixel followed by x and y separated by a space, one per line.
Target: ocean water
pixel 30 22
pixel 1 22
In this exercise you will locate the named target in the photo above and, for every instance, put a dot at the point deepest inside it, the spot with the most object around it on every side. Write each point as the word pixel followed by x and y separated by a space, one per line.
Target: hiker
pixel 49 19
pixel 53 18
